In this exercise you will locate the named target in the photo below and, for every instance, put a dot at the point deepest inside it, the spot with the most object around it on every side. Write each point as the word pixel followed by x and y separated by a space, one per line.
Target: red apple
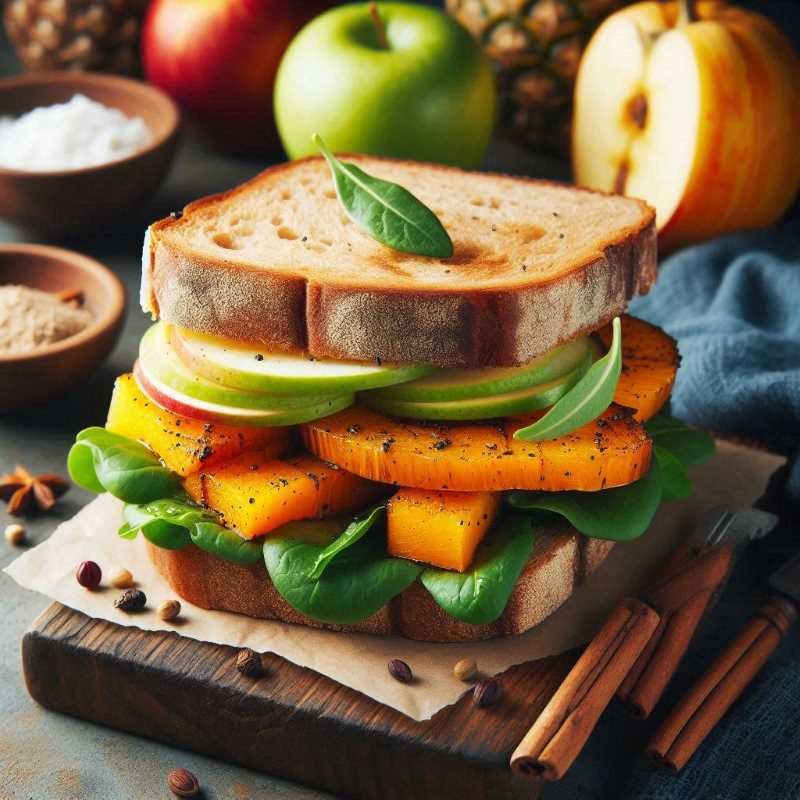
pixel 218 59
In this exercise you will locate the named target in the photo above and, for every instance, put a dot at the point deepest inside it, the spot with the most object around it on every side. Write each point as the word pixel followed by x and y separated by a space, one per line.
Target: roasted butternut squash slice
pixel 611 451
pixel 649 362
pixel 185 445
pixel 439 528
pixel 256 494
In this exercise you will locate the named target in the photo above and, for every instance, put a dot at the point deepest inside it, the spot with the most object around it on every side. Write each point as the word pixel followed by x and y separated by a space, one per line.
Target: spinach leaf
pixel 689 445
pixel 219 541
pixel 173 522
pixel 479 595
pixel 675 481
pixel 389 213
pixel 586 400
pixel 104 461
pixel 351 534
pixel 160 533
pixel 356 584
pixel 621 514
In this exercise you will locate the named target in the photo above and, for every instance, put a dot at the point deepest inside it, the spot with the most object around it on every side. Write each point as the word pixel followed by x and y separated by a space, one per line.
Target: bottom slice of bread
pixel 561 559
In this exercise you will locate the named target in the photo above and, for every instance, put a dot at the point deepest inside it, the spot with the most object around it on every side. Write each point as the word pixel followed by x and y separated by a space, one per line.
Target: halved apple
pixel 160 361
pixel 181 403
pixel 694 108
pixel 247 367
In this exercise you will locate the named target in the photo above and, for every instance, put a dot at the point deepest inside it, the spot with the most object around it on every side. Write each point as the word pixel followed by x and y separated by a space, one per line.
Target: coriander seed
pixel 15 534
pixel 121 579
pixel 465 669
pixel 131 601
pixel 400 671
pixel 168 610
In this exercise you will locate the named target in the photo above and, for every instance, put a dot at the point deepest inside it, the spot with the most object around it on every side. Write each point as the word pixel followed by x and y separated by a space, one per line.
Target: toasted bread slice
pixel 276 261
pixel 562 558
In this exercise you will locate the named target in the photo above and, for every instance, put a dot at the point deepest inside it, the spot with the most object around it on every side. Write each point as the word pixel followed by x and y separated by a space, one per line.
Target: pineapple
pixel 536 46
pixel 76 34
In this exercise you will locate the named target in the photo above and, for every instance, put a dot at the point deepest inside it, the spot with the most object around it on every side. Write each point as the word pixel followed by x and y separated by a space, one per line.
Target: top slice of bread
pixel 276 261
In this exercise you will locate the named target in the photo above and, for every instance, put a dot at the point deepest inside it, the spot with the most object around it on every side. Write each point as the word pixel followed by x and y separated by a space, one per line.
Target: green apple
pixel 463 384
pixel 159 359
pixel 519 401
pixel 244 367
pixel 411 84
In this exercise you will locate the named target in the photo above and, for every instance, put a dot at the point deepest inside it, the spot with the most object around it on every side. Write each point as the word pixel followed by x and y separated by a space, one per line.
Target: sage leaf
pixel 585 401
pixel 479 595
pixel 351 534
pixel 689 445
pixel 675 481
pixel 621 514
pixel 389 213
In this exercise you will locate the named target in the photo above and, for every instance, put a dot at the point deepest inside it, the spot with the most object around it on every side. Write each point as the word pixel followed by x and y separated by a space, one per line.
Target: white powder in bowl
pixel 80 133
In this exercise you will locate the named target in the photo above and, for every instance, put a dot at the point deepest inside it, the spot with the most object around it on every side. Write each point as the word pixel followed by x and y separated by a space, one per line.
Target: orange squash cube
pixel 256 494
pixel 439 528
pixel 185 445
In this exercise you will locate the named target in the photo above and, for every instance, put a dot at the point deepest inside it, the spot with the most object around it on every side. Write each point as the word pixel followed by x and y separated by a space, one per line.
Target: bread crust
pixel 386 316
pixel 561 560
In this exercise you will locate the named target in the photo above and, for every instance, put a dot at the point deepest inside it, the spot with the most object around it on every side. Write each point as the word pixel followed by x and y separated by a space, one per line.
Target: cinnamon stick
pixel 681 597
pixel 558 735
pixel 709 699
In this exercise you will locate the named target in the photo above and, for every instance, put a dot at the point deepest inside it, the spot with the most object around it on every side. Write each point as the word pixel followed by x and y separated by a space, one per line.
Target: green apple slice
pixel 247 367
pixel 159 360
pixel 179 403
pixel 463 384
pixel 520 401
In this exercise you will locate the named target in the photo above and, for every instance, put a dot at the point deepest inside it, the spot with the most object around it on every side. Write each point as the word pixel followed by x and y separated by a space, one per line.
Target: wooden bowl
pixel 77 200
pixel 34 377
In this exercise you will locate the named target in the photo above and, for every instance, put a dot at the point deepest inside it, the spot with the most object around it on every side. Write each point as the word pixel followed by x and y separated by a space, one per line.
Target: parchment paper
pixel 735 475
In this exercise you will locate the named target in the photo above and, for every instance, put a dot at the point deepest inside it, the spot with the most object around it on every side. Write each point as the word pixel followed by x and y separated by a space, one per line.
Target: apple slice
pixel 179 403
pixel 464 384
pixel 521 401
pixel 160 361
pixel 247 367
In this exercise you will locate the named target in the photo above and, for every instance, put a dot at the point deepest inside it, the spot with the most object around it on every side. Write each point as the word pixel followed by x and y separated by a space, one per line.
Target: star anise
pixel 25 492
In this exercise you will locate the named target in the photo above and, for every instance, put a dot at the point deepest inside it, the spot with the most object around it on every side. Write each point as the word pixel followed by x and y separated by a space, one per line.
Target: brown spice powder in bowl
pixel 31 319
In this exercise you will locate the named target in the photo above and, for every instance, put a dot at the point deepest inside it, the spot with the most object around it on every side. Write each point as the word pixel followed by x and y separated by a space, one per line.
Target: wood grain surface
pixel 292 722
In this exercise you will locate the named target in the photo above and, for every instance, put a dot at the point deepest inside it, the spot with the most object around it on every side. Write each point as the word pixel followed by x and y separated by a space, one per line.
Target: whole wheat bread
pixel 276 261
pixel 562 558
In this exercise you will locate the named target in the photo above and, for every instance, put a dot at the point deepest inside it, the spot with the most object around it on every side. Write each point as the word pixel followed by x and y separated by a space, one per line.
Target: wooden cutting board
pixel 293 723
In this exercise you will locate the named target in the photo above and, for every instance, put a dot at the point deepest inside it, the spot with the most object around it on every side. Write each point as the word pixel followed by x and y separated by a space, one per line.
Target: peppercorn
pixel 248 662
pixel 131 600
pixel 400 671
pixel 183 783
pixel 486 693
pixel 88 574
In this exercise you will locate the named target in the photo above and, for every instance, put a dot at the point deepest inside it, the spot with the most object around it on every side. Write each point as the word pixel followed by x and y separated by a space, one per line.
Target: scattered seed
pixel 168 610
pixel 465 669
pixel 183 783
pixel 121 578
pixel 89 574
pixel 15 534
pixel 486 693
pixel 248 662
pixel 400 671
pixel 131 601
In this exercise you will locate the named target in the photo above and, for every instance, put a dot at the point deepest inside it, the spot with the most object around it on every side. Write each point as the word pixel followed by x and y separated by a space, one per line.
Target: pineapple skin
pixel 536 47
pixel 76 34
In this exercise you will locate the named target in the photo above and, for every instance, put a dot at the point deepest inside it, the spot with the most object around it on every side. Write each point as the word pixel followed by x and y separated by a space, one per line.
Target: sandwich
pixel 392 397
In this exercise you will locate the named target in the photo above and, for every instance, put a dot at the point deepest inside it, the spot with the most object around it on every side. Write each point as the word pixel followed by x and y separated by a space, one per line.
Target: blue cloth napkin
pixel 734 307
